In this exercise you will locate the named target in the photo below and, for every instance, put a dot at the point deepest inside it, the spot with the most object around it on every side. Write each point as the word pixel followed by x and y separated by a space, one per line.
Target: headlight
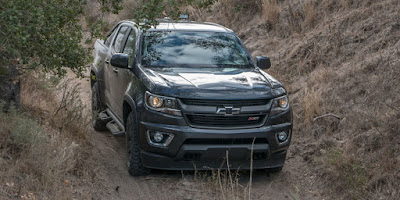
pixel 155 102
pixel 162 104
pixel 283 102
pixel 279 105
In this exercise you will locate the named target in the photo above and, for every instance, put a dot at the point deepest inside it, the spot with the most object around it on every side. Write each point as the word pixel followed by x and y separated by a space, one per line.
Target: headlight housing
pixel 279 105
pixel 163 104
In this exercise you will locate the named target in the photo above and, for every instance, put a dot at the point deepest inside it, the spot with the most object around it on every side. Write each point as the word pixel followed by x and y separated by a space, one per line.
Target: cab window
pixel 118 43
pixel 130 46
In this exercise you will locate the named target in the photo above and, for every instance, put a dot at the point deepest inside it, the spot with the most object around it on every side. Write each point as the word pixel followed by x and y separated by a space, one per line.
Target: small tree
pixel 42 34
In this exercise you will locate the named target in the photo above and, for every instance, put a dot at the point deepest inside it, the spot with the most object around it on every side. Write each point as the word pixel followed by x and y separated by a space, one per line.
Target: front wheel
pixel 274 170
pixel 135 165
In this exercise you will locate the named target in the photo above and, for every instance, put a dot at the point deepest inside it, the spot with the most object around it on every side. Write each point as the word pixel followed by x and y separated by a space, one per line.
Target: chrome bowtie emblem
pixel 228 110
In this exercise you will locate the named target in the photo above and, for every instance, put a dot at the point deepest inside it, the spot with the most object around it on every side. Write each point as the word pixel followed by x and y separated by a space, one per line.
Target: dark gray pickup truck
pixel 186 95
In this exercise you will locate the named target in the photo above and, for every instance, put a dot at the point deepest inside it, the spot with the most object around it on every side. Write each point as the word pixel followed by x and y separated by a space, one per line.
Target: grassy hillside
pixel 339 58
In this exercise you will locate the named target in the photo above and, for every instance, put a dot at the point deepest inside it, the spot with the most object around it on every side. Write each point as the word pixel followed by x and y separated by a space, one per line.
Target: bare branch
pixel 328 115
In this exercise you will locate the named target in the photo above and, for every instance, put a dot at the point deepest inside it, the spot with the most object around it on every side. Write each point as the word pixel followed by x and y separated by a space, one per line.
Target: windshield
pixel 207 49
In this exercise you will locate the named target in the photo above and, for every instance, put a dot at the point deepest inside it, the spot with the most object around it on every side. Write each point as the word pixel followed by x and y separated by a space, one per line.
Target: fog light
pixel 158 137
pixel 282 136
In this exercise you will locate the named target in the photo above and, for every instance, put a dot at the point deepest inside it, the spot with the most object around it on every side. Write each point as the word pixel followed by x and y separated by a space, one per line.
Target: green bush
pixel 42 33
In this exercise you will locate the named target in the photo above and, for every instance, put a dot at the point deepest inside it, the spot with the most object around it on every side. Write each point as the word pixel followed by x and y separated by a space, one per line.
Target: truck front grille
pixel 246 121
pixel 236 103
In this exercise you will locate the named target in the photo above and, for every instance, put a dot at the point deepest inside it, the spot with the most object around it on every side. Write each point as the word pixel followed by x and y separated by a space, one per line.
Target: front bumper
pixel 184 153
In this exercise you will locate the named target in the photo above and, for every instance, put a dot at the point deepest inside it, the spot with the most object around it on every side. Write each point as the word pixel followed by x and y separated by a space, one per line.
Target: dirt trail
pixel 110 155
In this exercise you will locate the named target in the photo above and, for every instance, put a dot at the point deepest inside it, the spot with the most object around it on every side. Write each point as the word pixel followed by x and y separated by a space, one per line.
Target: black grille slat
pixel 227 141
pixel 199 102
pixel 230 121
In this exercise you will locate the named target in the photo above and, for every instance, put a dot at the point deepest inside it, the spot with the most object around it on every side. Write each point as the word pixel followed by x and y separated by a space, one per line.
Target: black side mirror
pixel 119 60
pixel 263 62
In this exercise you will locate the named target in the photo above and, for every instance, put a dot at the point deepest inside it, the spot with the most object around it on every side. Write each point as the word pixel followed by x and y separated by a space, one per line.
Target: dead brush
pixel 33 155
pixel 312 104
pixel 310 14
pixel 70 111
pixel 42 145
pixel 270 11
pixel 226 183
pixel 353 176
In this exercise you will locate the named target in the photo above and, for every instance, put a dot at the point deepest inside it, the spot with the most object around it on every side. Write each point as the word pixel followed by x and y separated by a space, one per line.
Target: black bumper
pixel 211 152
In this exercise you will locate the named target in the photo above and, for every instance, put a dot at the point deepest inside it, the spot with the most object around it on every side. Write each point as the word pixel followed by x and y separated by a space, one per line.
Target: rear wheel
pixel 135 165
pixel 97 123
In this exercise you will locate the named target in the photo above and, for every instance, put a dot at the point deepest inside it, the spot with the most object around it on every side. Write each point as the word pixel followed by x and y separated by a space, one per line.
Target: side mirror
pixel 119 60
pixel 263 62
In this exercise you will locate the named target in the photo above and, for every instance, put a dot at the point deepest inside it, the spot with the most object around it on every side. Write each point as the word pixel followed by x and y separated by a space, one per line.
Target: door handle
pixel 115 69
pixel 107 62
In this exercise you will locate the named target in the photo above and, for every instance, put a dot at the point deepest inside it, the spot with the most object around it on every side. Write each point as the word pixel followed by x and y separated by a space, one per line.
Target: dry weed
pixel 312 104
pixel 42 149
pixel 353 176
pixel 310 14
pixel 71 111
pixel 270 11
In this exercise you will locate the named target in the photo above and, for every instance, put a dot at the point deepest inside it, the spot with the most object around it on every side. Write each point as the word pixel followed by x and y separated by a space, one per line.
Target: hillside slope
pixel 339 58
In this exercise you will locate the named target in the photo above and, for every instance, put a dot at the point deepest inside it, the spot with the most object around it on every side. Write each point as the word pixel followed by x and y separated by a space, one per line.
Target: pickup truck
pixel 188 95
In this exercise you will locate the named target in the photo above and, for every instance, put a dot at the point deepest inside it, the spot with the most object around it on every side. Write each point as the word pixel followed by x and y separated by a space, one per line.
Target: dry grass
pixel 310 14
pixel 225 184
pixel 353 176
pixel 312 105
pixel 337 57
pixel 44 153
pixel 270 11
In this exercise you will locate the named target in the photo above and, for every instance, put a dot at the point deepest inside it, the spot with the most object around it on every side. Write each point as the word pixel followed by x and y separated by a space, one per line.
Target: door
pixel 111 72
pixel 124 77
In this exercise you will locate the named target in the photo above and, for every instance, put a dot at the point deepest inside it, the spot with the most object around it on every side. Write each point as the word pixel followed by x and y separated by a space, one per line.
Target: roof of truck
pixel 189 26
pixel 170 25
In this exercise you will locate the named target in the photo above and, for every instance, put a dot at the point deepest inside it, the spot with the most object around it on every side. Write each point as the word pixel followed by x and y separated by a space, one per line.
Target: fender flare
pixel 131 103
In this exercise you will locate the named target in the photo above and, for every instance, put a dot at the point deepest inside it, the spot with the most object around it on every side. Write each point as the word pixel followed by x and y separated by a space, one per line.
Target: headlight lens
pixel 279 105
pixel 283 102
pixel 155 102
pixel 163 104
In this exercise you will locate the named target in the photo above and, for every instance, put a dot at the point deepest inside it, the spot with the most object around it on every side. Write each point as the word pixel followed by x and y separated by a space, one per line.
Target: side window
pixel 117 47
pixel 130 46
pixel 110 37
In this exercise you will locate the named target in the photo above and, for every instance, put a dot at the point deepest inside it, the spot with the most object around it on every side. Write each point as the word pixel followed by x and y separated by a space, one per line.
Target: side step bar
pixel 104 117
pixel 113 125
pixel 114 128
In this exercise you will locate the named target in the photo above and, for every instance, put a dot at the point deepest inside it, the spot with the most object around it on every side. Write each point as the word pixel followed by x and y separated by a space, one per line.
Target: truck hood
pixel 213 83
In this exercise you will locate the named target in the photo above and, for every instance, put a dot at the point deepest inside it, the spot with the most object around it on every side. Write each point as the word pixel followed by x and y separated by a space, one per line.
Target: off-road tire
pixel 97 123
pixel 135 165
pixel 274 170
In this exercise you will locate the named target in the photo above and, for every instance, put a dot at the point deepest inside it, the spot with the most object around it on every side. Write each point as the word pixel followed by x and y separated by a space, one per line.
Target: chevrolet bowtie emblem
pixel 228 110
